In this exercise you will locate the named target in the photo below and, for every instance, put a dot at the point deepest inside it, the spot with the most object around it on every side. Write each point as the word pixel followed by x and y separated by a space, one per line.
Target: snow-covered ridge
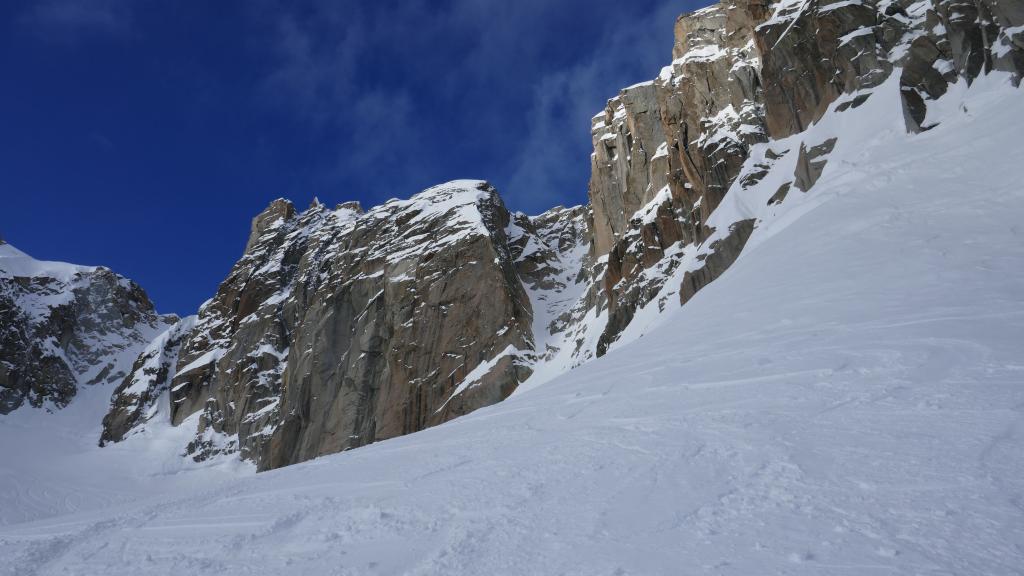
pixel 64 326
pixel 14 262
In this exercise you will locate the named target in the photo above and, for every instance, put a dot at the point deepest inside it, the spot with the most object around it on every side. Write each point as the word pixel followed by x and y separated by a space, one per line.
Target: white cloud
pixel 69 20
pixel 565 101
pixel 329 65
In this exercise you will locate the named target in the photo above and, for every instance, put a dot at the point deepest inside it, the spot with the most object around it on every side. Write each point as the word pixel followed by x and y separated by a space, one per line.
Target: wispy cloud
pixel 101 141
pixel 466 70
pixel 565 100
pixel 319 77
pixel 313 74
pixel 69 20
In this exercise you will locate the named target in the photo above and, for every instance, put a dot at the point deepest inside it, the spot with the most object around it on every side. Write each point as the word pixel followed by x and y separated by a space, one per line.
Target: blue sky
pixel 144 135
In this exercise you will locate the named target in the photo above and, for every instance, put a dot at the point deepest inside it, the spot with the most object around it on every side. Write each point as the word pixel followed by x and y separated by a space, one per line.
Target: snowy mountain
pixel 854 405
pixel 64 326
pixel 784 337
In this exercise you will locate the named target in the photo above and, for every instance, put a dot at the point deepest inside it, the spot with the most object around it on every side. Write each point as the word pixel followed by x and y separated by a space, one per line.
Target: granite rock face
pixel 340 327
pixel 708 112
pixel 746 72
pixel 629 165
pixel 63 326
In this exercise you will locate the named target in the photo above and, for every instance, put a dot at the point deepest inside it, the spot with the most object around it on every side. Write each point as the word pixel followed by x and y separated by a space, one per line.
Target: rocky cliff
pixel 64 326
pixel 340 327
pixel 746 73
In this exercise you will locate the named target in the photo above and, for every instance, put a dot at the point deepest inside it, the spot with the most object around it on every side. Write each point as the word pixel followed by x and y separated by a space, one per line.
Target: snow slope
pixel 51 465
pixel 855 406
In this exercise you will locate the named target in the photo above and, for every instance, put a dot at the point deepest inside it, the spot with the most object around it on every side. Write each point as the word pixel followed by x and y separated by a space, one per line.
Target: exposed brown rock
pixel 810 163
pixel 710 112
pixel 779 195
pixel 626 167
pixel 722 253
pixel 340 328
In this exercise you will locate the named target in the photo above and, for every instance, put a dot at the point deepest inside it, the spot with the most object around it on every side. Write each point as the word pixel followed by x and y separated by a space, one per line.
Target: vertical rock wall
pixel 338 328
pixel 745 72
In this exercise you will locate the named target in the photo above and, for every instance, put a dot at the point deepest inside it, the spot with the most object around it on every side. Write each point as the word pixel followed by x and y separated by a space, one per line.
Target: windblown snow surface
pixel 849 400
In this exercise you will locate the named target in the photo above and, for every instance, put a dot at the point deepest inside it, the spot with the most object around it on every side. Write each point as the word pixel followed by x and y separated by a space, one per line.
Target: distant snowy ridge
pixel 63 326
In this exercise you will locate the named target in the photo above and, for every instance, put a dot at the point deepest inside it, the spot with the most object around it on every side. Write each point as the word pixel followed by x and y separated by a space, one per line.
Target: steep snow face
pixel 64 326
pixel 854 405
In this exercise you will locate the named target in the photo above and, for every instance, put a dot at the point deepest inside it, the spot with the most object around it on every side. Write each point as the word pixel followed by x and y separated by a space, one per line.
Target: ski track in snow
pixel 853 403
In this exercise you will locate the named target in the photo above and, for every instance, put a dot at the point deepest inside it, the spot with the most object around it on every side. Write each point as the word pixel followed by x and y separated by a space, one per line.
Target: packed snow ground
pixel 847 399
pixel 50 464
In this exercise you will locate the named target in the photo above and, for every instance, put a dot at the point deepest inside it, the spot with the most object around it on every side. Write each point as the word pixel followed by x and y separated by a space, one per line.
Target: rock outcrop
pixel 64 326
pixel 706 109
